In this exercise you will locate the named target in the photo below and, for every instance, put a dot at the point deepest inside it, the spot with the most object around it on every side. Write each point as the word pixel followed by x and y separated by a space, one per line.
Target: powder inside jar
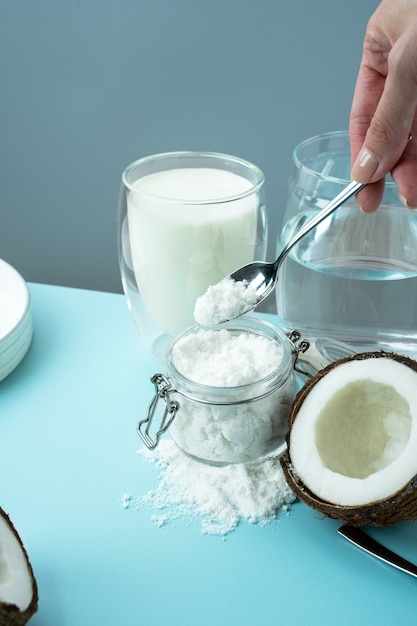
pixel 219 358
pixel 239 414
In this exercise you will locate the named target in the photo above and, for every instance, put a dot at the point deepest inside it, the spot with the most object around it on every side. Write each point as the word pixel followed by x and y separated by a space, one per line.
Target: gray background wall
pixel 87 86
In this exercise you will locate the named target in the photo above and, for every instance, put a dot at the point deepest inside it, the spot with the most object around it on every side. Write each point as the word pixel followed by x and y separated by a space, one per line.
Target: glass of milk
pixel 186 220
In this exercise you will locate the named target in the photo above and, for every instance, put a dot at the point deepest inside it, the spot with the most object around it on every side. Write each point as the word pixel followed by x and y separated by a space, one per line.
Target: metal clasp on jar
pixel 169 408
pixel 300 347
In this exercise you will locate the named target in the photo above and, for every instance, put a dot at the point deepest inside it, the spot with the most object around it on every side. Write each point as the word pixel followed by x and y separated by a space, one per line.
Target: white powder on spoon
pixel 226 300
pixel 220 497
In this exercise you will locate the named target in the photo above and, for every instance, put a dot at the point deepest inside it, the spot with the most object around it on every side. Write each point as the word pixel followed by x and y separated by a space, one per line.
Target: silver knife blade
pixel 358 537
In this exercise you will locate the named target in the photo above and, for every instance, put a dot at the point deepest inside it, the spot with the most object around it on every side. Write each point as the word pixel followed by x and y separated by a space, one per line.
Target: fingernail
pixel 365 166
pixel 405 203
pixel 403 200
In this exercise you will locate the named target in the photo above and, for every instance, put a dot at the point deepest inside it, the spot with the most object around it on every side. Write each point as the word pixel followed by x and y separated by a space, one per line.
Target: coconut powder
pixel 226 300
pixel 239 414
pixel 220 358
pixel 239 392
pixel 219 498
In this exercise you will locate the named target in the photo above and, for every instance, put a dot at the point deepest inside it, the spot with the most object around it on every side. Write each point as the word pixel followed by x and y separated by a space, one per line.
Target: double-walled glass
pixel 185 221
pixel 354 277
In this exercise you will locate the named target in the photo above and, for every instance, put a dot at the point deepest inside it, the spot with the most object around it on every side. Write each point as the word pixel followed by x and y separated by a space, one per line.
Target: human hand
pixel 384 107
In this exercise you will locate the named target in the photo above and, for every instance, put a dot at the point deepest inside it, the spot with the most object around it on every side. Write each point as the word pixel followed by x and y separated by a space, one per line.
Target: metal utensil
pixel 262 276
pixel 373 547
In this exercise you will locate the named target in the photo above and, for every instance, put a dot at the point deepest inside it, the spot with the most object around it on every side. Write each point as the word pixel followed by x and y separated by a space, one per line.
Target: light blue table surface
pixel 68 453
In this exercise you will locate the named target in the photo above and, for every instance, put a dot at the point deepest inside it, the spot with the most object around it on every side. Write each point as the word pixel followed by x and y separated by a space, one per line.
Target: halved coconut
pixel 18 588
pixel 352 441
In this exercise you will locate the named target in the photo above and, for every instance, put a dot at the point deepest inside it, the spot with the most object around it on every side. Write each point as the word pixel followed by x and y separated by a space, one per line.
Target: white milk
pixel 182 240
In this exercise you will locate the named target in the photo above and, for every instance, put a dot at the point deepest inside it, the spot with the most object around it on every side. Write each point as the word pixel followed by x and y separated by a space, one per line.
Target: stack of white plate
pixel 16 327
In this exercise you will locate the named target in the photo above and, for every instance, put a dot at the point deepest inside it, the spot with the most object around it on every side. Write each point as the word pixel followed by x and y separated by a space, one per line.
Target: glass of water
pixel 354 277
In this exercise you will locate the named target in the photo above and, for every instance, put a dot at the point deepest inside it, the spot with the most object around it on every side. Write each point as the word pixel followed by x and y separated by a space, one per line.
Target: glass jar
pixel 233 424
pixel 186 220
pixel 354 277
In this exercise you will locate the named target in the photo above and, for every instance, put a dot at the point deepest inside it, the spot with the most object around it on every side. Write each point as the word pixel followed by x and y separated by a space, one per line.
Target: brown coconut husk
pixel 400 507
pixel 10 614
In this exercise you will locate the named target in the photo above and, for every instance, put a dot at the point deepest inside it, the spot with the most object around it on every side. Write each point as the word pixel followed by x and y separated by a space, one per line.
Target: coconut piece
pixel 18 588
pixel 352 440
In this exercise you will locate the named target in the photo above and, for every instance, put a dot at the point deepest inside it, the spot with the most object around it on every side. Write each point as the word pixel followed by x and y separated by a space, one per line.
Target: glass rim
pixel 185 154
pixel 334 179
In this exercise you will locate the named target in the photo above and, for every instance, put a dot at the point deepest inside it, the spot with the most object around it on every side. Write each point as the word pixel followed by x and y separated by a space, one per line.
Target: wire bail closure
pixel 300 345
pixel 162 395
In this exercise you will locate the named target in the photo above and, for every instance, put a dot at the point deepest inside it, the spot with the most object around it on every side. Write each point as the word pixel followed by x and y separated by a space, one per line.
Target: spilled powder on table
pixel 218 497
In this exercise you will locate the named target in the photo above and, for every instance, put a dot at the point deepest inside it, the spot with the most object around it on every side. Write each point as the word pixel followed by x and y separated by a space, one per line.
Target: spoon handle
pixel 331 206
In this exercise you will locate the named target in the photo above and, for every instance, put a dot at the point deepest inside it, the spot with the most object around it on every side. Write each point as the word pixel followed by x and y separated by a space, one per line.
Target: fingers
pixel 368 92
pixel 387 135
pixel 370 197
pixel 385 101
pixel 404 174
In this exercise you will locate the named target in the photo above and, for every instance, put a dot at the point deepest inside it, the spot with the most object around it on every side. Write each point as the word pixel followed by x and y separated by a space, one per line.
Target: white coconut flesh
pixel 16 585
pixel 354 438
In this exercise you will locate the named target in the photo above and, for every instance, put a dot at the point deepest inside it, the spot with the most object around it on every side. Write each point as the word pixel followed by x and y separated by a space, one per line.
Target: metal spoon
pixel 262 276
